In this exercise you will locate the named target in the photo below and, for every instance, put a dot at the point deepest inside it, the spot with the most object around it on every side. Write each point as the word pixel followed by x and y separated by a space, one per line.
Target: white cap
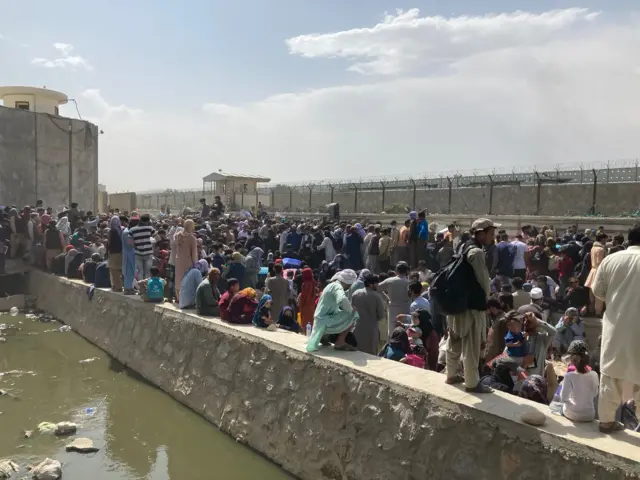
pixel 536 293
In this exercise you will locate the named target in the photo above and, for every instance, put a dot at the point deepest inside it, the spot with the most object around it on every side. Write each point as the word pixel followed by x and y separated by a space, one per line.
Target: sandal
pixel 479 388
pixel 345 348
pixel 612 428
pixel 454 380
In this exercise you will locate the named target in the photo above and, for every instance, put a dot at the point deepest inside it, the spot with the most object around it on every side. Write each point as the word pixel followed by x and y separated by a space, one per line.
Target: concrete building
pixel 233 188
pixel 44 156
pixel 41 100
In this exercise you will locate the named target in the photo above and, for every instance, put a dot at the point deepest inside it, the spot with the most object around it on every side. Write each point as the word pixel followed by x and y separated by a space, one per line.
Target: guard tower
pixel 40 100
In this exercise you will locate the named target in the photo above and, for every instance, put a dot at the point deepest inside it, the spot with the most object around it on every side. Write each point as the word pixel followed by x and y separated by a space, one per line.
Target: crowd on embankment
pixel 490 311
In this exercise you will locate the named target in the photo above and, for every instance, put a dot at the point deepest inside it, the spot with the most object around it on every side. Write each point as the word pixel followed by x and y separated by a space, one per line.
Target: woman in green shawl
pixel 334 313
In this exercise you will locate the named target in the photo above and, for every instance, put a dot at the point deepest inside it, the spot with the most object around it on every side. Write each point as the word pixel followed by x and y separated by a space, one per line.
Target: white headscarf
pixel 348 276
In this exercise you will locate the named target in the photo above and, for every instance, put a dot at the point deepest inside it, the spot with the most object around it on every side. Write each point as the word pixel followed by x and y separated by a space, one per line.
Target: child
pixel 152 288
pixel 286 320
pixel 579 387
pixel 262 315
pixel 515 341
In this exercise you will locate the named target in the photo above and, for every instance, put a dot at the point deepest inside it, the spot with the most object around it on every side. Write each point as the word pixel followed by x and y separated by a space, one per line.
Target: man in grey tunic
pixel 397 288
pixel 468 329
pixel 369 304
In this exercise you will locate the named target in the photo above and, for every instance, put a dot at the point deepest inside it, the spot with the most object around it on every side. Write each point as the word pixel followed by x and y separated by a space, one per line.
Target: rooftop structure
pixel 33 99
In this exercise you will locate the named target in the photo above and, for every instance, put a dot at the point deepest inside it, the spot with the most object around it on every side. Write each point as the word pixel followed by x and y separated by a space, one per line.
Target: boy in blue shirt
pixel 515 341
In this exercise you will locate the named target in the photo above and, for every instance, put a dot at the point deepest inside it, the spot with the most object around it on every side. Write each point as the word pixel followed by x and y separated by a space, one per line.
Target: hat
pixel 536 293
pixel 484 223
pixel 572 312
pixel 347 276
pixel 578 347
pixel 417 330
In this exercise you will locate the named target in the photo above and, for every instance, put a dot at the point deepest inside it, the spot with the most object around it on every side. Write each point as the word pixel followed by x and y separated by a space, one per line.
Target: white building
pixel 40 100
pixel 44 156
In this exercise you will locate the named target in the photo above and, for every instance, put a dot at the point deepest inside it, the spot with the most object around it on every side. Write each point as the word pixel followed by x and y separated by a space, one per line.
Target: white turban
pixel 347 276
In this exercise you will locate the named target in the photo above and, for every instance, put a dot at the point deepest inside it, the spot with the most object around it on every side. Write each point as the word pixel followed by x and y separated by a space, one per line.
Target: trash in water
pixel 64 328
pixel 31 315
pixel 89 360
pixel 14 311
pixel 90 411
pixel 3 326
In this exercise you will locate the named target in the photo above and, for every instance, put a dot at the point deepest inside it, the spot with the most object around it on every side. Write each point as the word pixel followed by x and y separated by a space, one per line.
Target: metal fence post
pixel 310 187
pixel 450 190
pixel 332 187
pixel 490 193
pixel 414 193
pixel 384 191
pixel 595 191
pixel 273 197
pixel 290 198
pixel 355 197
pixel 539 187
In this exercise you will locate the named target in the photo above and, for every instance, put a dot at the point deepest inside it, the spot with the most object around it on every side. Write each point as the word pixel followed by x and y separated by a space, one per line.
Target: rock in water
pixel 47 470
pixel 46 427
pixel 7 468
pixel 28 433
pixel 534 417
pixel 66 428
pixel 81 445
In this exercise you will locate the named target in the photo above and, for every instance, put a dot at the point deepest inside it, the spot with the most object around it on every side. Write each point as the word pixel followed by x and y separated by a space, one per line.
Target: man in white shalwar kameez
pixel 616 283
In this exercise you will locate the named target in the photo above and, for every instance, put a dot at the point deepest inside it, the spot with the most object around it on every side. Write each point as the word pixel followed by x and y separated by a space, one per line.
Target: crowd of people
pixel 488 310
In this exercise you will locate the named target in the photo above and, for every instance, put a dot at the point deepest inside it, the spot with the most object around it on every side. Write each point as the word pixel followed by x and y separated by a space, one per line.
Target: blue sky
pixel 168 59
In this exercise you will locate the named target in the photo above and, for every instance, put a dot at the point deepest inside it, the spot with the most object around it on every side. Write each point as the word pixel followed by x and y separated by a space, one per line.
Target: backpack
pixel 155 289
pixel 451 285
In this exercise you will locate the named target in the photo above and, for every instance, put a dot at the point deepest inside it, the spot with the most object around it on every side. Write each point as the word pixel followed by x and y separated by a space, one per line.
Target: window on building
pixel 244 187
pixel 22 105
pixel 56 110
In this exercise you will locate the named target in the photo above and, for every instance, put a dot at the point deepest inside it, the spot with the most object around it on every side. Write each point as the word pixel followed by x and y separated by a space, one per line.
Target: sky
pixel 309 90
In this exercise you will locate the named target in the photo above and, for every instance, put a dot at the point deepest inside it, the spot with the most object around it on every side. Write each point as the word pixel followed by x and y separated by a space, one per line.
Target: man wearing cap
pixel 541 334
pixel 468 329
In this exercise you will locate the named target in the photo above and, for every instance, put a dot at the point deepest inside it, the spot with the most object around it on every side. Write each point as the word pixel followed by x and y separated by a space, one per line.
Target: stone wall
pixel 35 159
pixel 339 416
pixel 569 199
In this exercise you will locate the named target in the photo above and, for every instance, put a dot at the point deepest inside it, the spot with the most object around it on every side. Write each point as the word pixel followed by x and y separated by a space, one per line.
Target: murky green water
pixel 142 433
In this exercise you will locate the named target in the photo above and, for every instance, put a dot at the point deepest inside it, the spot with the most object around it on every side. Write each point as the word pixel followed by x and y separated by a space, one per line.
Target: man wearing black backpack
pixel 467 327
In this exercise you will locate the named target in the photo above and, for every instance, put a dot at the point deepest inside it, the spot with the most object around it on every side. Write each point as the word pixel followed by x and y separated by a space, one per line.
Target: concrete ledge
pixel 333 415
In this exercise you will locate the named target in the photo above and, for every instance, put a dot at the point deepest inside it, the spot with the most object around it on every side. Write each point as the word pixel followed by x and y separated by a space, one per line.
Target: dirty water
pixel 142 432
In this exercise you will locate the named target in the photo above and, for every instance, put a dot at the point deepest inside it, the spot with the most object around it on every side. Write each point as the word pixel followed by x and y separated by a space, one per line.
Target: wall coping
pixel 558 432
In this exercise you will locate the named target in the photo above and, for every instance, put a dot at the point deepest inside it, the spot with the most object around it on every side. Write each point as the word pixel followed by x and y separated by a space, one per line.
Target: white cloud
pixel 406 40
pixel 565 95
pixel 64 60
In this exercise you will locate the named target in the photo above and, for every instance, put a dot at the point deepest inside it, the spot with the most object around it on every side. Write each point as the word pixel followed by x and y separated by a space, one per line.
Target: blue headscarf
pixel 413 215
pixel 257 319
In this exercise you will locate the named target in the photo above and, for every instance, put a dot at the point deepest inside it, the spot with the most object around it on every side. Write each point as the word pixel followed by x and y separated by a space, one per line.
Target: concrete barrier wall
pixel 340 416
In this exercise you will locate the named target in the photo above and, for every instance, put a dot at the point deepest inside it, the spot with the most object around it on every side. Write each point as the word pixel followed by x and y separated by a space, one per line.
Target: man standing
pixel 370 307
pixel 206 209
pixel 616 283
pixel 141 235
pixel 279 289
pixel 394 235
pixel 519 263
pixel 467 329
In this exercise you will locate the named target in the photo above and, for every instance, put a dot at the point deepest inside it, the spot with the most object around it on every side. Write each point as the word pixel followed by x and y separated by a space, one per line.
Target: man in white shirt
pixel 519 264
pixel 418 302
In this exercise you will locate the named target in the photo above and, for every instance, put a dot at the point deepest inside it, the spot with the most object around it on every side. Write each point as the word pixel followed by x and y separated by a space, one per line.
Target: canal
pixel 142 433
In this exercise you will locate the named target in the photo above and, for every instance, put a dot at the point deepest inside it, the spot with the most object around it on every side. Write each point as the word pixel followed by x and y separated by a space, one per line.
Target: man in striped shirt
pixel 142 234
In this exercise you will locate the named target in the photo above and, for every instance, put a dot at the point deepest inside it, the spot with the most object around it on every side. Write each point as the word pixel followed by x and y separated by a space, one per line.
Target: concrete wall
pixel 34 159
pixel 124 201
pixel 569 199
pixel 339 416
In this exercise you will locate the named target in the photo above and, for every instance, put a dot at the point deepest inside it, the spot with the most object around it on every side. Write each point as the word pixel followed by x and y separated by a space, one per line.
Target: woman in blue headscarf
pixel 128 258
pixel 252 265
pixel 262 316
pixel 190 282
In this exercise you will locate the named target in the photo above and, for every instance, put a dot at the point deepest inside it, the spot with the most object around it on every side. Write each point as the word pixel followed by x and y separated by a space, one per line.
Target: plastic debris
pixel 89 360
pixel 90 411
pixel 14 311
pixel 65 328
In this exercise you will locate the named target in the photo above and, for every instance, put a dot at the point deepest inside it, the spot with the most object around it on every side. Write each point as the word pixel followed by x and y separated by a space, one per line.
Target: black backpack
pixel 451 285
